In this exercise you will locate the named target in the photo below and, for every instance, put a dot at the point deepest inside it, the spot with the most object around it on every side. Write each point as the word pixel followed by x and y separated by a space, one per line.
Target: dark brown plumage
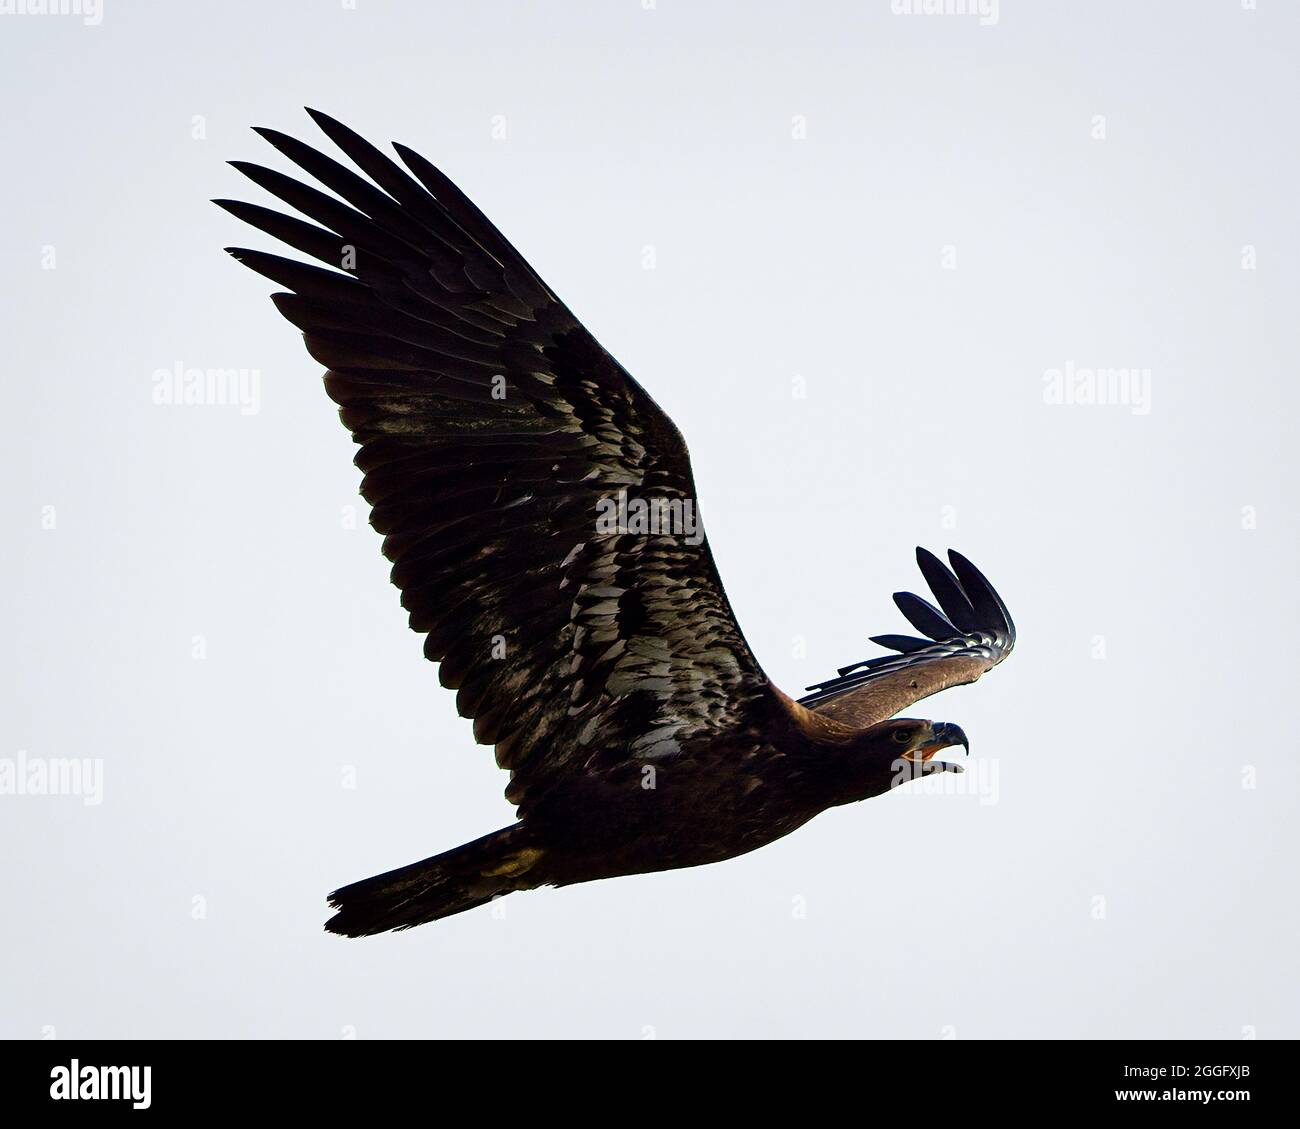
pixel 600 657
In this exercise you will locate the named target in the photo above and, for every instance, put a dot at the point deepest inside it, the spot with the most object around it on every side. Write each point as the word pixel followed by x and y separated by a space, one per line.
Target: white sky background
pixel 778 263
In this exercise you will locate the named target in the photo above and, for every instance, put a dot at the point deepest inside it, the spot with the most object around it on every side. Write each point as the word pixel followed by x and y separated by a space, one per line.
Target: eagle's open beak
pixel 943 735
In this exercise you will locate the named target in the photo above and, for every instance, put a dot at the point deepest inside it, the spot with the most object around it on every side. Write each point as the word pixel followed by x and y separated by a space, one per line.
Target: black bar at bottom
pixel 371 1077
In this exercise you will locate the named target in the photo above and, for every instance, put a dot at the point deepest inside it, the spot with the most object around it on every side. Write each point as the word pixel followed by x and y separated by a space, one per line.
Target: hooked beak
pixel 943 735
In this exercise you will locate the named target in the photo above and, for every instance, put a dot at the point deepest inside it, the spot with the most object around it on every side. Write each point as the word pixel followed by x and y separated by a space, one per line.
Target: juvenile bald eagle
pixel 591 643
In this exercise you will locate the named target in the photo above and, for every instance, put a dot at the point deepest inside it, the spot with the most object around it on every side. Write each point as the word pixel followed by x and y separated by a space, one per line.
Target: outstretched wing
pixel 969 633
pixel 506 456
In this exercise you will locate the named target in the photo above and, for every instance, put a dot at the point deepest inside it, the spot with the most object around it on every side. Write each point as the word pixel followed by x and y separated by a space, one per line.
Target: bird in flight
pixel 539 511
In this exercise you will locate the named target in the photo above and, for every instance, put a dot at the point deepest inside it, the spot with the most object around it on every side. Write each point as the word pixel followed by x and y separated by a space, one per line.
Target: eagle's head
pixel 888 754
pixel 914 739
pixel 907 746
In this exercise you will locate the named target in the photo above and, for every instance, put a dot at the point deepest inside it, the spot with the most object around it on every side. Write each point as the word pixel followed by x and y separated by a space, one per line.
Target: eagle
pixel 538 509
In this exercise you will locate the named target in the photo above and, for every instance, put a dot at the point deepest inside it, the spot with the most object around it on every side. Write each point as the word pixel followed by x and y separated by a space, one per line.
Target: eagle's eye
pixel 902 736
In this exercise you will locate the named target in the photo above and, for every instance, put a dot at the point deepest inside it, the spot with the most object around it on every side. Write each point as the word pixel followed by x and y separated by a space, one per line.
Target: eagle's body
pixel 601 658
pixel 707 804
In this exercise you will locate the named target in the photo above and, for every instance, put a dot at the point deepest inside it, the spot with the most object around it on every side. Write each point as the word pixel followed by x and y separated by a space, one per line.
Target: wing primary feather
pixel 904 643
pixel 523 280
pixel 988 604
pixel 301 278
pixel 361 194
pixel 924 616
pixel 390 176
pixel 302 236
pixel 954 602
pixel 372 161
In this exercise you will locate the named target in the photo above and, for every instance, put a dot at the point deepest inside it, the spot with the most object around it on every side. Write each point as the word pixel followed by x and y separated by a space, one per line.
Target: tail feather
pixel 460 879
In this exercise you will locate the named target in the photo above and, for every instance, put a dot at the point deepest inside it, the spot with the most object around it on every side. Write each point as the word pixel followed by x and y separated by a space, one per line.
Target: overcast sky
pixel 871 263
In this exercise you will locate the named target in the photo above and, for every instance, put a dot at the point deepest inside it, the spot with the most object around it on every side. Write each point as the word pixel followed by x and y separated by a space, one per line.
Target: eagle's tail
pixel 459 879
